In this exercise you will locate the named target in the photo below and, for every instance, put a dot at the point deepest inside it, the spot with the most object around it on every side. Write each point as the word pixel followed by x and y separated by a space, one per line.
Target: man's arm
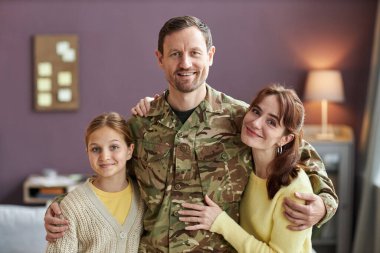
pixel 320 206
pixel 55 224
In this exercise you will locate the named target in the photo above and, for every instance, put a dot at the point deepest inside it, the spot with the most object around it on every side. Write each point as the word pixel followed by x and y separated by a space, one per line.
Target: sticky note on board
pixel 64 78
pixel 62 46
pixel 64 95
pixel 69 55
pixel 44 84
pixel 44 99
pixel 45 69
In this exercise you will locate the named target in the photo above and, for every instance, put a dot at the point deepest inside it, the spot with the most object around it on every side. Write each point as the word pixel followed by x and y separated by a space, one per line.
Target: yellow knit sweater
pixel 263 224
pixel 93 229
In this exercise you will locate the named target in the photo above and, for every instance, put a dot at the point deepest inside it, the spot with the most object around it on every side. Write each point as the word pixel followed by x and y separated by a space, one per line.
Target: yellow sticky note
pixel 45 69
pixel 64 95
pixel 64 78
pixel 44 84
pixel 44 99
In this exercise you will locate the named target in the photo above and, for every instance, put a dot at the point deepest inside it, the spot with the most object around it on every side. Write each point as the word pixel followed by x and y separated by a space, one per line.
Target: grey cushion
pixel 22 229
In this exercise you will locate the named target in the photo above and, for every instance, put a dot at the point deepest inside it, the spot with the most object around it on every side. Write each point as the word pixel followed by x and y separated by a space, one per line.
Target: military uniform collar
pixel 160 108
pixel 211 103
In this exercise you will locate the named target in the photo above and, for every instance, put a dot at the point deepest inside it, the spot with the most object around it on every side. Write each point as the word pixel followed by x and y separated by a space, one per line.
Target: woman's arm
pixel 281 239
pixel 201 217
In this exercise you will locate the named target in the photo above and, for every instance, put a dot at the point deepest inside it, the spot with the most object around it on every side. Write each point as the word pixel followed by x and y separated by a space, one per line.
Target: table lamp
pixel 324 86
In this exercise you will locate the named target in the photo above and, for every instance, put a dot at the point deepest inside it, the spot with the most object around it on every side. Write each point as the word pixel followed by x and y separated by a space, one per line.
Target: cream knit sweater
pixel 93 229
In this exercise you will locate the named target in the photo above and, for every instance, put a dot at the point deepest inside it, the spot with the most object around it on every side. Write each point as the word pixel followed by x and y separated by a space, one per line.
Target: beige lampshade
pixel 324 84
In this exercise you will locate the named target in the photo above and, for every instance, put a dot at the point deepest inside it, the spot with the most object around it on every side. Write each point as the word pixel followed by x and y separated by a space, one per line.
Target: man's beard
pixel 185 86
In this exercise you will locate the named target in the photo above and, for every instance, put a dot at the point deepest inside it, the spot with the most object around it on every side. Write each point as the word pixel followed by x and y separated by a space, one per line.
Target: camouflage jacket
pixel 322 185
pixel 175 163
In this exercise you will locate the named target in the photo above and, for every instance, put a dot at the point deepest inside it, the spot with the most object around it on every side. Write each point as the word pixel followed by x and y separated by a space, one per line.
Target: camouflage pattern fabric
pixel 175 163
pixel 322 185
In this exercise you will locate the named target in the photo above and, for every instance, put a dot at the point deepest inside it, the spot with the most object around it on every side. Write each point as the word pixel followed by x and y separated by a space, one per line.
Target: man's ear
pixel 211 53
pixel 158 57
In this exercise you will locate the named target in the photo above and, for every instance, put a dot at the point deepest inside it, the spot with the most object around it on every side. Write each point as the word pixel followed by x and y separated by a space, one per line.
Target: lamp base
pixel 325 136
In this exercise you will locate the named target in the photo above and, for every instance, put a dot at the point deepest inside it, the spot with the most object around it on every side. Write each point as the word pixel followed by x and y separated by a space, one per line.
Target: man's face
pixel 185 59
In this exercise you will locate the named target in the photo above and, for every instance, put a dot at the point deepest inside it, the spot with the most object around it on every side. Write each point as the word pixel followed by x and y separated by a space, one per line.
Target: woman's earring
pixel 279 150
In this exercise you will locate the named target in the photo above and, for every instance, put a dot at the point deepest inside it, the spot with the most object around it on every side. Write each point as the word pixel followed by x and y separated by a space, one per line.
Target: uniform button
pixel 123 235
pixel 177 186
pixel 180 134
pixel 224 156
pixel 175 213
pixel 183 148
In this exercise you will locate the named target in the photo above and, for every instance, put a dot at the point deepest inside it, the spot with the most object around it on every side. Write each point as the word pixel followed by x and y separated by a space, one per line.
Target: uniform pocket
pixel 153 161
pixel 223 170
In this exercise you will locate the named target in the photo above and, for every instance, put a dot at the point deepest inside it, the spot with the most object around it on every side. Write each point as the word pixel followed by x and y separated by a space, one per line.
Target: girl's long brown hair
pixel 112 120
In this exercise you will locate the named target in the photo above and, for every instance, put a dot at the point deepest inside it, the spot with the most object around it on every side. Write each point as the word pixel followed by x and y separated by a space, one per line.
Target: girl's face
pixel 108 152
pixel 262 128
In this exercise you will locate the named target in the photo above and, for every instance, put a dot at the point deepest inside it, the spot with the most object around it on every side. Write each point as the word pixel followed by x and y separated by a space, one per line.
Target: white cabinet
pixel 338 156
pixel 39 189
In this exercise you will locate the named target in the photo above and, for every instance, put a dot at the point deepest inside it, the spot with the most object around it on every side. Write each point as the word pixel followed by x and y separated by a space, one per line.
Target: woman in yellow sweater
pixel 105 213
pixel 272 127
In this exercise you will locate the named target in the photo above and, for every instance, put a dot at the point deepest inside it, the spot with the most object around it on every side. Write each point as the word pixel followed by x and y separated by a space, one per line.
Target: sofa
pixel 22 229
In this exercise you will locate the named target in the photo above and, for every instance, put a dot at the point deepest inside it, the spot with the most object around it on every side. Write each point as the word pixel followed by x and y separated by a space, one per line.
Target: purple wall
pixel 257 42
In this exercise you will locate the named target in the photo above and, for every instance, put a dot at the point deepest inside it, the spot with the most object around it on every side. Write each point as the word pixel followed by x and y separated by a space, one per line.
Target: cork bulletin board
pixel 56 86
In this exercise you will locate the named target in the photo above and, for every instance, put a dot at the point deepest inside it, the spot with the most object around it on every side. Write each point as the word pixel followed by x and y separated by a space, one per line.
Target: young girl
pixel 272 128
pixel 105 213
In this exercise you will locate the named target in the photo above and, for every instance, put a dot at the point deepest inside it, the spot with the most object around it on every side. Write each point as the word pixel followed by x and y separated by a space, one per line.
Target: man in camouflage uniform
pixel 189 146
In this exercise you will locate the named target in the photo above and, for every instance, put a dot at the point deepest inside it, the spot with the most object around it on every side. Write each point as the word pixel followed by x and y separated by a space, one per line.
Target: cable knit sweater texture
pixel 93 229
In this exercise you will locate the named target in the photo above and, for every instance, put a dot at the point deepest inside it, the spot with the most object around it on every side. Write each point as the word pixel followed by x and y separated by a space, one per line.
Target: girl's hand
pixel 142 107
pixel 202 216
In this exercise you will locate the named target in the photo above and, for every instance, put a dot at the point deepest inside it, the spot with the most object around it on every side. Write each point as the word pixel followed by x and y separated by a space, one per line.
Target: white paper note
pixel 44 84
pixel 44 99
pixel 69 55
pixel 45 69
pixel 62 47
pixel 65 95
pixel 64 78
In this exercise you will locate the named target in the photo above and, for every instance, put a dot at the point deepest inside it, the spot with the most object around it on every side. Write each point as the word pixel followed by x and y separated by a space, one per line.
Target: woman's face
pixel 262 128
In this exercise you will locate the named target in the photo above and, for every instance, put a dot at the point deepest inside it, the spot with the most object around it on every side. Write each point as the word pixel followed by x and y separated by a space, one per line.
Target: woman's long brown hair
pixel 282 170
